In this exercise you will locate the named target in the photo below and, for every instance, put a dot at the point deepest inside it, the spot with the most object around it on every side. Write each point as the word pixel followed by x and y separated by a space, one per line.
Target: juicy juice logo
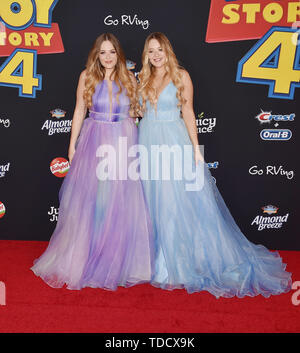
pixel 205 124
pixel 26 29
pixel 59 167
pixel 53 213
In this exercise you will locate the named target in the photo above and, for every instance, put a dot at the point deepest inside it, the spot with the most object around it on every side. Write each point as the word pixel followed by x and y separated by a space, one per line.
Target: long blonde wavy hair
pixel 146 75
pixel 95 72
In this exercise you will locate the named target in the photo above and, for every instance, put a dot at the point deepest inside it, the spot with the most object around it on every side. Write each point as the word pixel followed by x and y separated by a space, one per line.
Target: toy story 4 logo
pixel 275 59
pixel 26 29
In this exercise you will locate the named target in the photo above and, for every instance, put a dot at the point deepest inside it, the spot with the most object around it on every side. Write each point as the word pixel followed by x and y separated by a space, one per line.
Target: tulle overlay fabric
pixel 103 236
pixel 198 245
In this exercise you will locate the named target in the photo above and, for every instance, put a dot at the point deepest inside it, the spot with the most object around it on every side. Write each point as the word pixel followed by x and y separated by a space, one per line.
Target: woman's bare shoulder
pixel 83 74
pixel 185 76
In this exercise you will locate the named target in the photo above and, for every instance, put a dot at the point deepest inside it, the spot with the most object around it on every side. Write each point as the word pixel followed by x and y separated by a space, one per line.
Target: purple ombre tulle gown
pixel 103 237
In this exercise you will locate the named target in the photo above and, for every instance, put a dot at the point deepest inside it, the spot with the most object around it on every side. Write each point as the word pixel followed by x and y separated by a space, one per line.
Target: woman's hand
pixel 71 154
pixel 198 155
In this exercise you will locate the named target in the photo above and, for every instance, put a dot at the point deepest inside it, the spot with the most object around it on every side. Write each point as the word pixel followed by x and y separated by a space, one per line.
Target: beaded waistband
pixel 108 117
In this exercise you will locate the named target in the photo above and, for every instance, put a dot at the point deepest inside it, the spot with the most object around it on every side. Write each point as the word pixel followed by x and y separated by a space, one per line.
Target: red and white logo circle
pixel 59 167
pixel 2 209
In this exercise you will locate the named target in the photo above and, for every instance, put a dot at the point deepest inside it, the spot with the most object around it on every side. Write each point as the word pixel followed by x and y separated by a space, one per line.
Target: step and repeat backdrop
pixel 244 61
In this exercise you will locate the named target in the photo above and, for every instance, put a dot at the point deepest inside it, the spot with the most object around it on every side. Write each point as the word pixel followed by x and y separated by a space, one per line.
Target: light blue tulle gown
pixel 198 245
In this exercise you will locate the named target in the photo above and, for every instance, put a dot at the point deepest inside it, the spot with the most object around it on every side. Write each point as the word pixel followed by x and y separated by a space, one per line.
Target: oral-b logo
pixel 276 134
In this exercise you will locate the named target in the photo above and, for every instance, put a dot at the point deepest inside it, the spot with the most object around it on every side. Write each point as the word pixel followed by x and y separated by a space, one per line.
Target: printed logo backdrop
pixel 244 61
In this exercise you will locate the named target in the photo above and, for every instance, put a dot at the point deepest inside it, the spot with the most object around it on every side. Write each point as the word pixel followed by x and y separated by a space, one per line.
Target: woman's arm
pixel 78 116
pixel 189 115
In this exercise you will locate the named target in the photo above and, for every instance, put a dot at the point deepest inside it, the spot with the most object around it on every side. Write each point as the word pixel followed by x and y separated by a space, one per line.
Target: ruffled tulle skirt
pixel 198 245
pixel 103 236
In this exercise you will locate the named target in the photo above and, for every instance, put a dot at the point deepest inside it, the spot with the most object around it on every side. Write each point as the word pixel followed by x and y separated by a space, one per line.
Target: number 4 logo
pixel 19 70
pixel 275 61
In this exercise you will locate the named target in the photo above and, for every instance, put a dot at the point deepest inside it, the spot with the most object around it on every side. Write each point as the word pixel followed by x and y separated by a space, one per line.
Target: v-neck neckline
pixel 110 95
pixel 163 90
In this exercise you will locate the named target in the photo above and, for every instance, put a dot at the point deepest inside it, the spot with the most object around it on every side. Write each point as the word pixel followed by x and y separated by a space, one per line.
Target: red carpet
pixel 32 306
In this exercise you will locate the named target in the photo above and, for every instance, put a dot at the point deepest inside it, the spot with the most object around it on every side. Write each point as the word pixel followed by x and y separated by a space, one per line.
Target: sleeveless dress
pixel 103 237
pixel 198 245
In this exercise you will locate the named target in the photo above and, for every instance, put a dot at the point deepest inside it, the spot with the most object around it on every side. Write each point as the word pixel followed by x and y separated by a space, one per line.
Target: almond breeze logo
pixel 266 222
pixel 57 126
pixel 130 64
pixel 58 113
pixel 4 168
pixel 275 134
